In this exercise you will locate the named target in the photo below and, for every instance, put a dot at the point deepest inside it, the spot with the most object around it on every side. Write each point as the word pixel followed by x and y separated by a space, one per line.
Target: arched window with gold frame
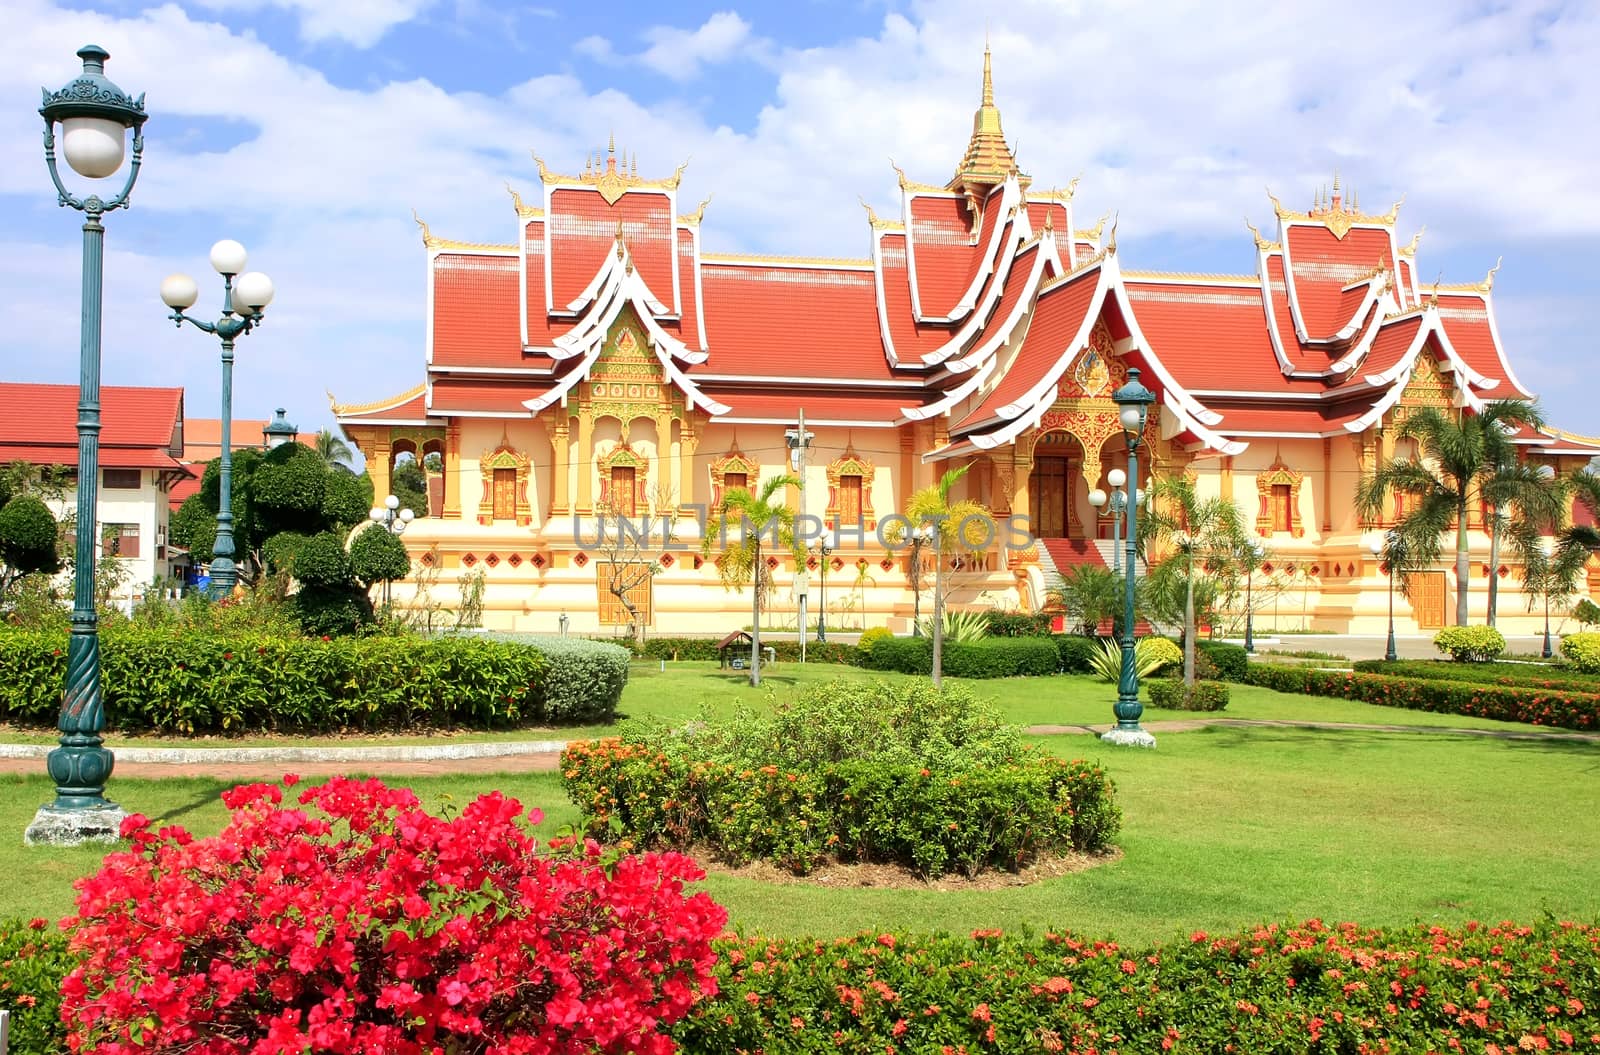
pixel 1278 492
pixel 850 491
pixel 505 486
pixel 624 474
pixel 734 469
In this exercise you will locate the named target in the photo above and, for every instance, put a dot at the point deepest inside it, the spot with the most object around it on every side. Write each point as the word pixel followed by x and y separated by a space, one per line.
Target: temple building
pixel 604 360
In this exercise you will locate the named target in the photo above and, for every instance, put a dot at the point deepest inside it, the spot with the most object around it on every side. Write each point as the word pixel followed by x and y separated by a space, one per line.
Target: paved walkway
pixel 544 756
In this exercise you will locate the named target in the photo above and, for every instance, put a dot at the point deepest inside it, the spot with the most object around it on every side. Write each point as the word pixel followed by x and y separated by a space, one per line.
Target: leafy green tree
pixel 962 526
pixel 1459 454
pixel 410 484
pixel 1207 537
pixel 377 555
pixel 749 521
pixel 330 601
pixel 1090 594
pixel 27 541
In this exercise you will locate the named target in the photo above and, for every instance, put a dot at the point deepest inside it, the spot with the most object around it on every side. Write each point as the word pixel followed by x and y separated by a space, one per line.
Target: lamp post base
pixel 1128 737
pixel 53 826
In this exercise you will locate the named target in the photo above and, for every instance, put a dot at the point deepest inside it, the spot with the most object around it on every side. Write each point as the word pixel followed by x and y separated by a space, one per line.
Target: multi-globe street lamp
pixel 393 519
pixel 1390 549
pixel 245 295
pixel 1251 559
pixel 822 598
pixel 95 118
pixel 1133 409
pixel 1117 504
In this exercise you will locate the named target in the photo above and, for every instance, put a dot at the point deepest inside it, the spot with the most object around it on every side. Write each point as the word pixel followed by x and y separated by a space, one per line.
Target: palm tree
pixel 1206 532
pixel 756 518
pixel 949 526
pixel 1459 453
pixel 333 450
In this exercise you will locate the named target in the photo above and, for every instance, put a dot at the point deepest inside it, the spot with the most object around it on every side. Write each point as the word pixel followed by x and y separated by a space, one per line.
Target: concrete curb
pixel 189 756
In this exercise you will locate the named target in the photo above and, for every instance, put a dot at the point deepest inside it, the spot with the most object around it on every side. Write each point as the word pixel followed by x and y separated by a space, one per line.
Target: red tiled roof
pixel 1322 265
pixel 1392 342
pixel 202 437
pixel 179 491
pixel 820 406
pixel 1403 271
pixel 475 319
pixel 498 396
pixel 1194 329
pixel 912 340
pixel 1287 418
pixel 110 457
pixel 767 320
pixel 688 328
pixel 941 244
pixel 129 416
pixel 1466 323
pixel 1059 219
pixel 413 409
pixel 1016 285
pixel 583 229
pixel 1057 317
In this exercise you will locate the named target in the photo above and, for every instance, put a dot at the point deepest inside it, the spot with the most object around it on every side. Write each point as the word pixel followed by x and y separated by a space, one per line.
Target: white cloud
pixel 1170 120
pixel 682 53
pixel 361 23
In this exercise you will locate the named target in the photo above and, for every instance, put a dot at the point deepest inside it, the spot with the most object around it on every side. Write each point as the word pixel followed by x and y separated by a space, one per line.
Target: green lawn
pixel 1223 827
pixel 681 690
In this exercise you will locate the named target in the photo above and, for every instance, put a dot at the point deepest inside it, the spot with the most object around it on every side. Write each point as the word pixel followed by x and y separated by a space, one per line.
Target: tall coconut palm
pixel 333 450
pixel 752 525
pixel 948 526
pixel 1208 538
pixel 1459 452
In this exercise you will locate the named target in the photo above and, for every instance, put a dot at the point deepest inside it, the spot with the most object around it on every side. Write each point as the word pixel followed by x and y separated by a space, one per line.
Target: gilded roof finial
pixel 1488 280
pixel 988 74
pixel 1355 200
pixel 1411 248
pixel 988 159
pixel 611 143
pixel 1433 297
pixel 1111 239
pixel 1261 243
pixel 1049 220
pixel 427 239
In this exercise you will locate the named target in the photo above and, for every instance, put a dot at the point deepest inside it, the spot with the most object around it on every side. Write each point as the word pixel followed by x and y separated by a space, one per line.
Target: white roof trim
pixel 1010 194
pixel 830 422
pixel 978 319
pixel 946 403
pixel 817 382
pixel 984 351
pixel 1386 306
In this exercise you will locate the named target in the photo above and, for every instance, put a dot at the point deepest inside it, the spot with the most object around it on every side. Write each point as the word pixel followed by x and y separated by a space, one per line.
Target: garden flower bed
pixel 872 772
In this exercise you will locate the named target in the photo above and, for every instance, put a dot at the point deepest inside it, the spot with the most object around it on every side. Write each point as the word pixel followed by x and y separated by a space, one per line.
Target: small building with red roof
pixel 602 358
pixel 141 443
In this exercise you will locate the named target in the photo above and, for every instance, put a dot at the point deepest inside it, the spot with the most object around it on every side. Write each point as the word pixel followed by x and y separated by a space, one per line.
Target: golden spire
pixel 988 159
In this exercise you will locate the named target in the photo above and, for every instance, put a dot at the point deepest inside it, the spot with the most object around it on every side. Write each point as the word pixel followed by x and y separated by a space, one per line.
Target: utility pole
pixel 799 443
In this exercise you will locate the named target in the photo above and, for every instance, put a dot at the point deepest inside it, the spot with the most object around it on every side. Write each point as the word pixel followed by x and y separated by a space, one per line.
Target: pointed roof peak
pixel 989 159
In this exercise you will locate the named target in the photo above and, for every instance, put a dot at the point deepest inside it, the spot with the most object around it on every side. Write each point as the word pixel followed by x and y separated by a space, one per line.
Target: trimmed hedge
pixel 1076 653
pixel 1230 662
pixel 698 649
pixel 1284 989
pixel 186 682
pixel 1525 675
pixel 902 773
pixel 1470 644
pixel 1173 694
pixel 989 657
pixel 1556 707
pixel 1582 651
pixel 1018 624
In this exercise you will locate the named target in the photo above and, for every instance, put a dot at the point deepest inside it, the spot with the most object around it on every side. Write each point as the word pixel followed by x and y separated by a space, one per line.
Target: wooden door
pixel 1048 495
pixel 505 494
pixel 638 582
pixel 624 502
pixel 1428 599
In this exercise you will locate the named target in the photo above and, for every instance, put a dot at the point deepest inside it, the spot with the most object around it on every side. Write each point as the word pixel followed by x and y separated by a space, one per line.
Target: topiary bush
pixel 1227 662
pixel 1582 651
pixel 1470 644
pixel 377 555
pixel 1173 694
pixel 899 773
pixel 988 657
pixel 185 681
pixel 362 923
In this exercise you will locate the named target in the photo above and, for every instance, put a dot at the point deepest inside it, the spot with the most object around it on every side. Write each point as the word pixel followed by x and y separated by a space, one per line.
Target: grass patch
pixel 1223 827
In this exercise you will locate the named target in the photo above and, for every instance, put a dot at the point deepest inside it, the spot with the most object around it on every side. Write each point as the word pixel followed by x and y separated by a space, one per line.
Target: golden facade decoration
pixel 1083 407
pixel 504 457
pixel 850 464
pixel 735 461
pixel 1267 517
pixel 612 178
pixel 623 456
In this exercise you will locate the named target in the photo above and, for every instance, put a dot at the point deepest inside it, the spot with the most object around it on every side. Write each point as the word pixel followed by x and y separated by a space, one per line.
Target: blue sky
pixel 310 131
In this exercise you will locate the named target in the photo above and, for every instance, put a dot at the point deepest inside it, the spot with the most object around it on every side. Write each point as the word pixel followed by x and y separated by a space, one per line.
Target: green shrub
pixel 1148 657
pixel 1280 988
pixel 28 537
pixel 1227 662
pixel 377 555
pixel 1537 676
pixel 183 682
pixel 1166 653
pixel 1173 694
pixel 1582 651
pixel 961 626
pixel 1536 706
pixel 584 680
pixel 1076 652
pixel 870 638
pixel 901 773
pixel 692 649
pixel 1470 644
pixel 989 657
pixel 33 963
pixel 1586 612
pixel 1017 624
pixel 903 655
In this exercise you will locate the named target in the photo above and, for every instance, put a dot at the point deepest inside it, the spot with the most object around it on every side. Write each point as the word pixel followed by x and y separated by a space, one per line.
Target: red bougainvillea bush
pixel 365 924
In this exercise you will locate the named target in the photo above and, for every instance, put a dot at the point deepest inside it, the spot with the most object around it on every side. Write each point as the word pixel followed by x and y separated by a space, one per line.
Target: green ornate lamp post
pixel 278 431
pixel 245 295
pixel 95 117
pixel 1133 402
pixel 822 607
